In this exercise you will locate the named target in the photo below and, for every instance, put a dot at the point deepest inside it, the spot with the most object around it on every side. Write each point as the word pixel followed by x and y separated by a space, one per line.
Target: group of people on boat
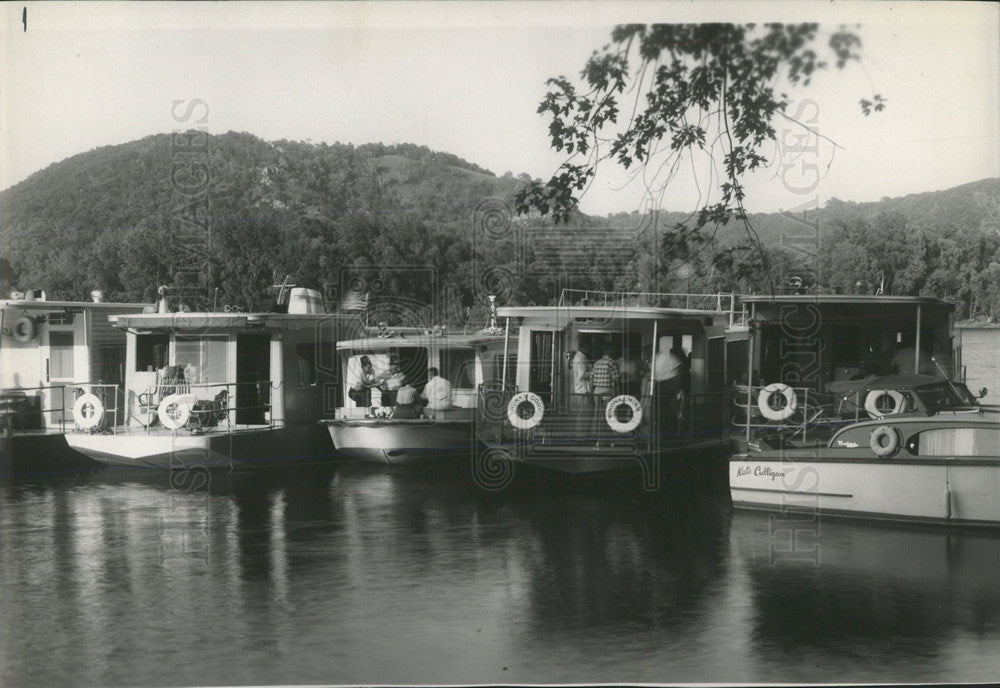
pixel 596 382
pixel 396 392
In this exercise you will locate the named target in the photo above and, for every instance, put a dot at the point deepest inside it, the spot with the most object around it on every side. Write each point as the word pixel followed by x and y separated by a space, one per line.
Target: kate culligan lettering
pixel 760 471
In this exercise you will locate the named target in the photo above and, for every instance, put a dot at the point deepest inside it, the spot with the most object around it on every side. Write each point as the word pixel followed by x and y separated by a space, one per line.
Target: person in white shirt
pixel 581 403
pixel 437 391
pixel 668 372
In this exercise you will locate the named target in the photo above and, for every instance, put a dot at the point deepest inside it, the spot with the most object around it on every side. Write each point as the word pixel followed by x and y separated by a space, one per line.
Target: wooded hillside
pixel 230 214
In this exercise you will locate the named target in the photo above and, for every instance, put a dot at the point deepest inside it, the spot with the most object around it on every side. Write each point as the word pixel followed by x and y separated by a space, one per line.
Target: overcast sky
pixel 467 79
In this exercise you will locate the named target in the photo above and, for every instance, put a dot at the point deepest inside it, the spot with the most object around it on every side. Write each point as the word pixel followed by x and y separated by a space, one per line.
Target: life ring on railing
pixel 871 402
pixel 24 329
pixel 514 410
pixel 88 412
pixel 611 416
pixel 767 395
pixel 884 441
pixel 174 412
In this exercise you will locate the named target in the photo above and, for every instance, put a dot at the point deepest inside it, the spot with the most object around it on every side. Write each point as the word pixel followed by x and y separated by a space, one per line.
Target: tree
pixel 691 87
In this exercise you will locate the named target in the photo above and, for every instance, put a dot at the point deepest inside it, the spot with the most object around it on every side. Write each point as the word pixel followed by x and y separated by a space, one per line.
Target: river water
pixel 359 574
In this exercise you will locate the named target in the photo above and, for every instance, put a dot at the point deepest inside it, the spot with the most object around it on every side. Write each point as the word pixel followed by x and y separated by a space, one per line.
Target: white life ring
pixel 871 402
pixel 764 401
pixel 174 412
pixel 88 412
pixel 24 329
pixel 612 418
pixel 884 441
pixel 537 412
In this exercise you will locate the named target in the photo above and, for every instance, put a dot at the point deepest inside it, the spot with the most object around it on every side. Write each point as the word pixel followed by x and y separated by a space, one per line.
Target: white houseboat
pixel 368 424
pixel 542 408
pixel 850 410
pixel 220 389
pixel 52 352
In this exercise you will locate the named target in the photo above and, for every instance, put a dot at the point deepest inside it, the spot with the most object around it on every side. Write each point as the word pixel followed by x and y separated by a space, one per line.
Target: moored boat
pixel 370 426
pixel 51 353
pixel 843 414
pixel 220 389
pixel 549 406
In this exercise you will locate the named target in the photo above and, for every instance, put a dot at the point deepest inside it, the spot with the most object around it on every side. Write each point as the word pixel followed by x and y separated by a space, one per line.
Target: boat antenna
pixel 283 287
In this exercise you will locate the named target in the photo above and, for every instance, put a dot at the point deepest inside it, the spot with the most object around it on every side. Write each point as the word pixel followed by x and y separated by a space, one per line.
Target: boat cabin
pixel 809 355
pixel 248 369
pixel 49 350
pixel 545 373
pixel 374 367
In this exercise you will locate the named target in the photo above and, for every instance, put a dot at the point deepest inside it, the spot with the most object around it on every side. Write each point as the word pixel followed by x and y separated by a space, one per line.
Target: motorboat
pixel 833 419
pixel 378 369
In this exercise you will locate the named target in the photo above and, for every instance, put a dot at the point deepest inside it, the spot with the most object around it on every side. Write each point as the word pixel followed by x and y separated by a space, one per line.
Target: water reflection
pixel 360 575
pixel 887 598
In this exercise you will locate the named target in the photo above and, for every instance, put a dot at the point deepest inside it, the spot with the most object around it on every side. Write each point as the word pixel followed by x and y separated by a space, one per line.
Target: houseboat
pixel 388 370
pixel 220 389
pixel 547 405
pixel 51 353
pixel 849 409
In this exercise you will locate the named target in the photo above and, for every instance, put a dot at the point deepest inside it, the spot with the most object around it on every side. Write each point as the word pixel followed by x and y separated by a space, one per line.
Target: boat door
pixel 542 369
pixel 253 376
pixel 58 349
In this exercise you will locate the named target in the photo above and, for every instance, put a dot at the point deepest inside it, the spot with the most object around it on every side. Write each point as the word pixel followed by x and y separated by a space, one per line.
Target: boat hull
pixel 960 491
pixel 39 455
pixel 255 447
pixel 698 462
pixel 392 442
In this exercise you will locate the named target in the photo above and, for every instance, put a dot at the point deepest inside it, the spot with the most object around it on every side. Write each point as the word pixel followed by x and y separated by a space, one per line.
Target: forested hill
pixel 233 213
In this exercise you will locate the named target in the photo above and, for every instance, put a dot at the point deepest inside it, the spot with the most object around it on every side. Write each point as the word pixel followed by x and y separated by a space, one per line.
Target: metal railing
pixel 722 303
pixel 212 413
pixel 812 412
pixel 16 410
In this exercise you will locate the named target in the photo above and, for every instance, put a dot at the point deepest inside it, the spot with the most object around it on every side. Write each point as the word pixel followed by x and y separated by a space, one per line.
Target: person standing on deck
pixel 581 403
pixel 667 377
pixel 605 378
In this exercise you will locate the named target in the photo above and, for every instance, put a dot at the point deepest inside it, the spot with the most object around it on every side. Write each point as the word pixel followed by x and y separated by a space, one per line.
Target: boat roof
pixel 563 315
pixel 845 299
pixel 418 338
pixel 39 305
pixel 221 321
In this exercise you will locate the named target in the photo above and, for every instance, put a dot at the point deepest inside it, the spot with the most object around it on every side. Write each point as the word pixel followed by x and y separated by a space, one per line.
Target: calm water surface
pixel 357 574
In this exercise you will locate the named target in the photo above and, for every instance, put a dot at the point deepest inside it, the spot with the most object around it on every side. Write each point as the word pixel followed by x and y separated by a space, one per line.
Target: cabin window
pixel 497 372
pixel 151 351
pixel 956 442
pixel 204 359
pixel 458 366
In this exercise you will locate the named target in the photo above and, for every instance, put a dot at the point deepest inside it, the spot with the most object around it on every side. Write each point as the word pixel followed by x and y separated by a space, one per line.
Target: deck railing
pixel 723 303
pixel 145 407
pixel 18 413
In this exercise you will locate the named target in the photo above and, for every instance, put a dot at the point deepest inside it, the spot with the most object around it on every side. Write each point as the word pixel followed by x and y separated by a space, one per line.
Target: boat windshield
pixel 943 395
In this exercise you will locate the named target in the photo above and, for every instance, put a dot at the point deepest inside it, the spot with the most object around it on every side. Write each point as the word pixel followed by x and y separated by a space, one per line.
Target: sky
pixel 467 78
